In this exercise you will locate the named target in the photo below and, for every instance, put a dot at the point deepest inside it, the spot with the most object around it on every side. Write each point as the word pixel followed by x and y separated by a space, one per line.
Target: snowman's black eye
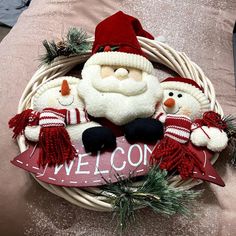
pixel 171 94
pixel 180 95
pixel 59 91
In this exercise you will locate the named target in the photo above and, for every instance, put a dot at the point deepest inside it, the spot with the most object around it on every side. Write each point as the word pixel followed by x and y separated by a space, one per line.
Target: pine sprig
pixel 231 133
pixel 154 192
pixel 76 41
pixel 51 52
pixel 74 44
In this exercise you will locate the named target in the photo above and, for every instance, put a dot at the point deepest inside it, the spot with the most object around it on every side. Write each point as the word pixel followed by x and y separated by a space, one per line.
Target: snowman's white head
pixel 183 97
pixel 180 103
pixel 60 93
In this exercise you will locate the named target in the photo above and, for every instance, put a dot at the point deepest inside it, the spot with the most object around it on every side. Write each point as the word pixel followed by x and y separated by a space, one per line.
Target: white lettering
pixel 57 169
pixel 112 159
pixel 146 149
pixel 68 168
pixel 97 171
pixel 140 155
pixel 80 163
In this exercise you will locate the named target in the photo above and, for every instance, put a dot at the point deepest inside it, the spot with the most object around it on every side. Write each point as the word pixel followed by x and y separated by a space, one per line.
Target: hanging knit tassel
pixel 19 122
pixel 170 155
pixel 55 146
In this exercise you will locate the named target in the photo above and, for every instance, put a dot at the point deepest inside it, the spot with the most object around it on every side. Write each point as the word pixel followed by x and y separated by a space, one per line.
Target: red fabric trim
pixel 158 116
pixel 77 115
pixel 183 80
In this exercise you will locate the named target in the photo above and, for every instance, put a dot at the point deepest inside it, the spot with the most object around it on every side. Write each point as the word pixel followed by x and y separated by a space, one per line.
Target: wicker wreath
pixel 94 198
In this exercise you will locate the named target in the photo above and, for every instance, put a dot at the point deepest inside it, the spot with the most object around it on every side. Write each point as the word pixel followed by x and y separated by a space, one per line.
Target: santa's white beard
pixel 116 107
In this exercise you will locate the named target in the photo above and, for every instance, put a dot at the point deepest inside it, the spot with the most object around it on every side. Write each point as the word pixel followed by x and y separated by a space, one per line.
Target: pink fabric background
pixel 202 29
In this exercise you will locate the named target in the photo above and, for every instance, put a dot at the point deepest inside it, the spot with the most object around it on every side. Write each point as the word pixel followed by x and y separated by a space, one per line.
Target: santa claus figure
pixel 118 83
pixel 187 119
pixel 56 117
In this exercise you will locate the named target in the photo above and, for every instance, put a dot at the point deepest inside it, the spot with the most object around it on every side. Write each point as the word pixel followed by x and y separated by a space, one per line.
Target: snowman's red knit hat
pixel 116 43
pixel 187 86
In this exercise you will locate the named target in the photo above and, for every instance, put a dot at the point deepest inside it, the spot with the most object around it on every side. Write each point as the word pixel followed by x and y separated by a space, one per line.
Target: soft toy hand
pixel 32 133
pixel 212 138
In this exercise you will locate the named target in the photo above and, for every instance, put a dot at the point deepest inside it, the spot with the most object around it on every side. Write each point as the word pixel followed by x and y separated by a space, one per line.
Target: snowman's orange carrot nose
pixel 170 102
pixel 65 89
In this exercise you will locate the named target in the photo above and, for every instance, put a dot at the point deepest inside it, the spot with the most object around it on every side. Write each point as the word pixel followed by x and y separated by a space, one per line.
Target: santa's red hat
pixel 187 86
pixel 116 43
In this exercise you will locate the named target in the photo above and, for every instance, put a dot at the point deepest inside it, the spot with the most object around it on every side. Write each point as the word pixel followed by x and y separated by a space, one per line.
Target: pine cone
pixel 62 48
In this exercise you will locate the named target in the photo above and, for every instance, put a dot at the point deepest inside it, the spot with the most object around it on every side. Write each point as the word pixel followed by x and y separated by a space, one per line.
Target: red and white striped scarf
pixel 54 141
pixel 177 127
pixel 171 153
pixel 55 117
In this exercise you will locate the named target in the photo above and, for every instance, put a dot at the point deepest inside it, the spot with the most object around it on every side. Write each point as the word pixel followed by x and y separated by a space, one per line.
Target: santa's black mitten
pixel 144 130
pixel 98 138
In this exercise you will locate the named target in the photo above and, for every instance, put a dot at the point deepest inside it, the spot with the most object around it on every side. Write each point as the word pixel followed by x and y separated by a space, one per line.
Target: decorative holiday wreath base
pixel 162 192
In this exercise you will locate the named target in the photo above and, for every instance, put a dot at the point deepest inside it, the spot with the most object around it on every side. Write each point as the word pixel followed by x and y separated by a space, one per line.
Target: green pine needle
pixel 76 40
pixel 75 44
pixel 51 52
pixel 231 133
pixel 154 192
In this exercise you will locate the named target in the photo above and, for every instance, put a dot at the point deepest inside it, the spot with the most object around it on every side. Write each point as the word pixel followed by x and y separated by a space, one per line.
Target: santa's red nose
pixel 65 89
pixel 170 102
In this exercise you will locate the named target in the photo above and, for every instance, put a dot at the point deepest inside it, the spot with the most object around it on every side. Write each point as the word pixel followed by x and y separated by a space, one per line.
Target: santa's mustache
pixel 128 87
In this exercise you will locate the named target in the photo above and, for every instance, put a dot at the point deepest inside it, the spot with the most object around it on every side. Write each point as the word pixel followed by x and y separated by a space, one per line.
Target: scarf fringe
pixel 55 146
pixel 170 155
pixel 19 122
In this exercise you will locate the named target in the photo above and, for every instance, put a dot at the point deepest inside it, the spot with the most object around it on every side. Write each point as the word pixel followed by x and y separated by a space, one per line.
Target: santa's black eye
pixel 59 91
pixel 180 95
pixel 171 94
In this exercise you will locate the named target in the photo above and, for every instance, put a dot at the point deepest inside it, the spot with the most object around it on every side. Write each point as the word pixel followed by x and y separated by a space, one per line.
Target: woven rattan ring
pixel 91 197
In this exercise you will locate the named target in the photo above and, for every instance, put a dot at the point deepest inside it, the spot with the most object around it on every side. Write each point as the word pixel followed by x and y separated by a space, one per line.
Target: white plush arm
pixel 74 131
pixel 213 138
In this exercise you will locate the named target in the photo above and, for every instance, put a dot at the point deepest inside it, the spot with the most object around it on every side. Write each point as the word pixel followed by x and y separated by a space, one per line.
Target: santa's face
pixel 123 80
pixel 59 94
pixel 119 94
pixel 180 103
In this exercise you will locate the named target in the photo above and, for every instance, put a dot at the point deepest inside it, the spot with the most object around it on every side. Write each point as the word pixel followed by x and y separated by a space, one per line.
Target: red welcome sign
pixel 210 175
pixel 86 170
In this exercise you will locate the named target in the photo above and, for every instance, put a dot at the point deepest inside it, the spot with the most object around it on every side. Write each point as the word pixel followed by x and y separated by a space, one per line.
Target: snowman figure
pixel 56 117
pixel 183 103
pixel 61 93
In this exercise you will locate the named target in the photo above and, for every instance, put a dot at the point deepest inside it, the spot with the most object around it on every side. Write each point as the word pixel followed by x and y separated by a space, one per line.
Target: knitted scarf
pixel 54 141
pixel 171 152
pixel 170 155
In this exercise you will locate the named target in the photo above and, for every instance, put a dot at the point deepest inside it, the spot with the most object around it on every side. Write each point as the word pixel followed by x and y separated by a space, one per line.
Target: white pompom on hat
pixel 187 86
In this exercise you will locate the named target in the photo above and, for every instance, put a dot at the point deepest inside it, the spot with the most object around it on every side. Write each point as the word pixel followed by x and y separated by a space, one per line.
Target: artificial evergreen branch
pixel 154 192
pixel 231 133
pixel 74 44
